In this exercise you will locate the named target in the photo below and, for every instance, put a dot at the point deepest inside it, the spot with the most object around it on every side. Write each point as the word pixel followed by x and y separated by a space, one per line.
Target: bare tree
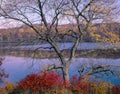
pixel 50 13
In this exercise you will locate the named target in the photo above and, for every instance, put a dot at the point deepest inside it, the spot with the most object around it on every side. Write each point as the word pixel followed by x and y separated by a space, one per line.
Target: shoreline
pixel 99 53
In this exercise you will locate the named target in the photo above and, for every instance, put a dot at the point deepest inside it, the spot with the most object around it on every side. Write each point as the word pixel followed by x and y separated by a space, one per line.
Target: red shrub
pixel 79 84
pixel 50 79
pixel 44 80
pixel 30 82
pixel 116 89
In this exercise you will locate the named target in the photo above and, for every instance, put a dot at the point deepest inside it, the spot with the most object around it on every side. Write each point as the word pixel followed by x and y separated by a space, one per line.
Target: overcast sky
pixel 7 23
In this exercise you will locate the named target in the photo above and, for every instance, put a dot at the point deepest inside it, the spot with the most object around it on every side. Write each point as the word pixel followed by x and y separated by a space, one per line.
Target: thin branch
pixel 99 71
pixel 37 11
pixel 43 3
pixel 35 50
pixel 86 6
pixel 95 69
pixel 6 15
pixel 25 41
pixel 43 48
pixel 74 48
pixel 54 19
pixel 52 67
pixel 43 16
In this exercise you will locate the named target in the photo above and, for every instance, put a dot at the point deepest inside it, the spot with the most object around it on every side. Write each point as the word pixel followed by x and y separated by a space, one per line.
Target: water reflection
pixel 19 67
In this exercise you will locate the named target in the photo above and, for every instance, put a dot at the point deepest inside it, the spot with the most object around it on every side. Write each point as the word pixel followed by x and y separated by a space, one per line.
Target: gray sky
pixel 8 23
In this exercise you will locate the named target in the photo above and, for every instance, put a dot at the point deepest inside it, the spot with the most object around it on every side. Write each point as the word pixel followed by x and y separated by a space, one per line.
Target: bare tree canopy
pixel 83 14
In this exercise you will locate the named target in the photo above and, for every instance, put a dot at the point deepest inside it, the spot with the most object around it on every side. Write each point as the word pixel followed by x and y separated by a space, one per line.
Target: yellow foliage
pixel 107 37
pixel 7 88
pixel 100 87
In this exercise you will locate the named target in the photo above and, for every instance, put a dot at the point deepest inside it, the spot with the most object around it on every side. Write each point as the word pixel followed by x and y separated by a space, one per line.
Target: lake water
pixel 19 67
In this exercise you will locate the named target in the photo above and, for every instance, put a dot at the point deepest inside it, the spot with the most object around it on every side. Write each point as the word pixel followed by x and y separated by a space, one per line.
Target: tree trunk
pixel 66 73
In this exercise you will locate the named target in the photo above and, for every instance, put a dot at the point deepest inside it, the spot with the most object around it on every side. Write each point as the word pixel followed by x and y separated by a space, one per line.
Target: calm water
pixel 19 67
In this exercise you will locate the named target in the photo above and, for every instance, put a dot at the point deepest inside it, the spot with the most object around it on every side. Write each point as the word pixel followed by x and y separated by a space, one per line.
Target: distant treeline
pixel 26 34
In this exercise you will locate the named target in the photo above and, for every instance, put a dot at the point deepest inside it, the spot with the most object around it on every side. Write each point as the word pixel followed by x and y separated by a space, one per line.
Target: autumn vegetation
pixel 107 32
pixel 53 83
pixel 90 20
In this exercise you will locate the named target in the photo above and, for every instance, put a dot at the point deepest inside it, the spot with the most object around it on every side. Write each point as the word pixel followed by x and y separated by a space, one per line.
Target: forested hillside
pixel 99 32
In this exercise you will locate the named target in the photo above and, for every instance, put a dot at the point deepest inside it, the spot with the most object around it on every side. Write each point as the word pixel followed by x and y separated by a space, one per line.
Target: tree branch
pixel 51 67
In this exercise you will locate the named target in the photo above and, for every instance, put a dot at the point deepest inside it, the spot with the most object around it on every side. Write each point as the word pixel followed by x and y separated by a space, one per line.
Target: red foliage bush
pixel 78 84
pixel 41 83
pixel 30 82
pixel 50 80
pixel 116 89
pixel 44 80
